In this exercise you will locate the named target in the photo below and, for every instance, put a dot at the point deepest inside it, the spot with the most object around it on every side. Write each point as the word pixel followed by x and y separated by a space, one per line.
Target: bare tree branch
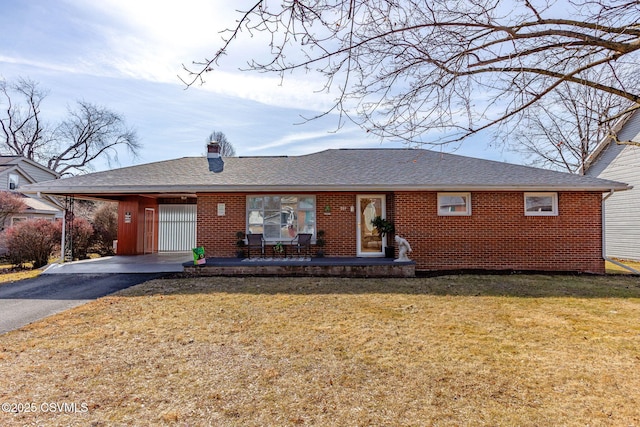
pixel 23 132
pixel 564 130
pixel 90 132
pixel 441 71
pixel 209 63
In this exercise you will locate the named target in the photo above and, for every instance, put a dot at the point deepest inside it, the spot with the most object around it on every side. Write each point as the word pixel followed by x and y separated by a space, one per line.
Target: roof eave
pixel 35 189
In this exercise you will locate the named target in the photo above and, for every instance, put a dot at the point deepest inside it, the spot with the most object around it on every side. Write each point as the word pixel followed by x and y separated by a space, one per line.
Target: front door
pixel 149 230
pixel 370 243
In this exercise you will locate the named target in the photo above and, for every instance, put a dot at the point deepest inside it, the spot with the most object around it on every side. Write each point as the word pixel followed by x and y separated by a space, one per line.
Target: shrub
pixel 82 236
pixel 32 241
pixel 105 226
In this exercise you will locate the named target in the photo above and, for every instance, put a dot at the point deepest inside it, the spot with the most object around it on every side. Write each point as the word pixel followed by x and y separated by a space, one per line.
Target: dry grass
pixel 9 273
pixel 616 269
pixel 454 350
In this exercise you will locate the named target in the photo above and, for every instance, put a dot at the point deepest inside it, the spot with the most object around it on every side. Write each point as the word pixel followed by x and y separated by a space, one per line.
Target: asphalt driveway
pixel 30 300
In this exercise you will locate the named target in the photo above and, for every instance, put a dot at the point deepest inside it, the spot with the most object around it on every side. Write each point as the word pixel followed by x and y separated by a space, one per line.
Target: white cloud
pixel 47 65
pixel 292 138
pixel 298 143
pixel 150 40
pixel 126 55
pixel 292 93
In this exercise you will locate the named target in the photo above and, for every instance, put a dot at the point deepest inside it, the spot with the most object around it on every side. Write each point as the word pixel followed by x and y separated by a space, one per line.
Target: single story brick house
pixel 456 212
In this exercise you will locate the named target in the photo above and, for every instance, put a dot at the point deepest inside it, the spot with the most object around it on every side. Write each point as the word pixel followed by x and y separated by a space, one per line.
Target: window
pixel 454 204
pixel 17 219
pixel 13 181
pixel 281 217
pixel 541 204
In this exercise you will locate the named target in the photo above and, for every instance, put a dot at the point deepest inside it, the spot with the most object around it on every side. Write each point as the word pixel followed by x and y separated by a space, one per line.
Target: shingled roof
pixel 329 170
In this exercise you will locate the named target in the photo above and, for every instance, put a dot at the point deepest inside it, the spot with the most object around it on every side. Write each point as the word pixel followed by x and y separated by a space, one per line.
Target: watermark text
pixel 50 407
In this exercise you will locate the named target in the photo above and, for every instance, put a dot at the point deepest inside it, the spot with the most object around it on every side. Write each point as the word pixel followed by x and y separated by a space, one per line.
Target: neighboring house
pixel 456 212
pixel 18 171
pixel 621 162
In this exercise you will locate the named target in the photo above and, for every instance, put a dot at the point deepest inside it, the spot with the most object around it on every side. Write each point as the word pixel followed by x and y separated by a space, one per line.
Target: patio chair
pixel 255 241
pixel 302 244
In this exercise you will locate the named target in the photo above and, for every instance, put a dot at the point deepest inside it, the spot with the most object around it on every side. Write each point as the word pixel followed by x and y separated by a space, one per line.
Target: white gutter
pixel 604 239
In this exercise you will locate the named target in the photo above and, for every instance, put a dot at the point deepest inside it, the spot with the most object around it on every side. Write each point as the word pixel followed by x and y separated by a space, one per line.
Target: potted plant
pixel 320 242
pixel 240 244
pixel 278 248
pixel 384 227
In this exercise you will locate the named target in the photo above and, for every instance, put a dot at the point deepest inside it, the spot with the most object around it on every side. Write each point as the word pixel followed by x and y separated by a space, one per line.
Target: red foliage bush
pixel 32 241
pixel 10 203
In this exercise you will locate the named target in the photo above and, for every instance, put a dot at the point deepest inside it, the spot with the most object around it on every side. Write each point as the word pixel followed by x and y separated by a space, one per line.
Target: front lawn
pixel 526 350
pixel 10 273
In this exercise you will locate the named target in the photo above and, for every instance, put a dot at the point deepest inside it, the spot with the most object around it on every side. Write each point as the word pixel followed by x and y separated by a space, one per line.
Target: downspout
pixel 604 240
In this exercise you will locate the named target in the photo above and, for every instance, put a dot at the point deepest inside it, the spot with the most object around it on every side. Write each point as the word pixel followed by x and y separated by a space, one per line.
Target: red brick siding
pixel 217 234
pixel 340 226
pixel 496 236
pixel 499 236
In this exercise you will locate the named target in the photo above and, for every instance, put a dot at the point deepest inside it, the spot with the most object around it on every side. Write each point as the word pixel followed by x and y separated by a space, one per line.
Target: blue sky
pixel 126 55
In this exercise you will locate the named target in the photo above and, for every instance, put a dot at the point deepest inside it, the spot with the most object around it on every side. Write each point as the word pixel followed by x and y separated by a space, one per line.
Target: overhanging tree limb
pixel 404 68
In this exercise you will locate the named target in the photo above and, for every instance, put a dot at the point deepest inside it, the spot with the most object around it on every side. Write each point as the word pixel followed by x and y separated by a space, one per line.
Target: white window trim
pixel 17 219
pixel 467 212
pixel 554 204
pixel 14 179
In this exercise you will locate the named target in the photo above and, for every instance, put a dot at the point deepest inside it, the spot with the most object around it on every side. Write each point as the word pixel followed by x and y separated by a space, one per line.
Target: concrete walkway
pixel 170 262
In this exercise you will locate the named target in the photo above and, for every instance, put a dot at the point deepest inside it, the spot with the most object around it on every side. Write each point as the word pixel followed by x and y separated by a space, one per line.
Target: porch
pixel 178 262
pixel 303 266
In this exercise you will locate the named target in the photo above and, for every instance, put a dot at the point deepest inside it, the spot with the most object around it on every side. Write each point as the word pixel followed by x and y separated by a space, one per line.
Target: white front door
pixel 370 243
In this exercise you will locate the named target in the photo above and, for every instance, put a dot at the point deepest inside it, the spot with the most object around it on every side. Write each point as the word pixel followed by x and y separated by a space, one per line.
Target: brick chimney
pixel 213 149
pixel 216 164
